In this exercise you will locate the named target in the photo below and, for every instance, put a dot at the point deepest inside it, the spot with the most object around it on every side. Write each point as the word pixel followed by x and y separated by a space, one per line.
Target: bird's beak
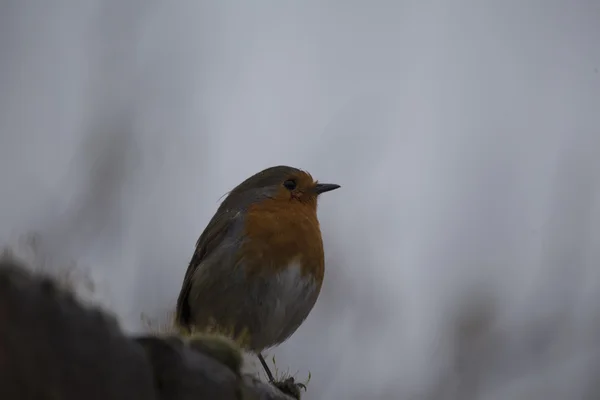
pixel 325 187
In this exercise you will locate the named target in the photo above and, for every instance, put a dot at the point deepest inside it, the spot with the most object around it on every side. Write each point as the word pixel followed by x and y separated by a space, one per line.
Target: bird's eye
pixel 290 184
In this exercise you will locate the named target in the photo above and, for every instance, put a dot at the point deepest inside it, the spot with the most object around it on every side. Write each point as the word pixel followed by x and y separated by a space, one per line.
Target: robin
pixel 259 264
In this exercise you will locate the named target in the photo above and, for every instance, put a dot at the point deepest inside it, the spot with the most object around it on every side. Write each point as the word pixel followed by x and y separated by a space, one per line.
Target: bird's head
pixel 281 183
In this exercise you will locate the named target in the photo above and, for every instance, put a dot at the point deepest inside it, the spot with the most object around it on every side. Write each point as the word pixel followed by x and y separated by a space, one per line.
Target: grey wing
pixel 215 235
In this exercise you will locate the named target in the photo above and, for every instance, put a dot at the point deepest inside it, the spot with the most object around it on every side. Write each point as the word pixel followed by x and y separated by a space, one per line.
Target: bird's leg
pixel 266 368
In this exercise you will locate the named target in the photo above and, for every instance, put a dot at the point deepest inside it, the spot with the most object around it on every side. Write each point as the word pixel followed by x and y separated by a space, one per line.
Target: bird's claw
pixel 290 387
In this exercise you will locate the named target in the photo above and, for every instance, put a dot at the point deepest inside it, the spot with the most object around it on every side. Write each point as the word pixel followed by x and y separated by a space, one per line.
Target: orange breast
pixel 278 232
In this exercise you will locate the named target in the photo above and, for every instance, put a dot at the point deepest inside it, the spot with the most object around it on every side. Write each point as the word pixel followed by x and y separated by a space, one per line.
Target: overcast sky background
pixel 463 250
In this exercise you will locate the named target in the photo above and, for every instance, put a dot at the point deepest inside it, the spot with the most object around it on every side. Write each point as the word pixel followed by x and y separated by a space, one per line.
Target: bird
pixel 258 266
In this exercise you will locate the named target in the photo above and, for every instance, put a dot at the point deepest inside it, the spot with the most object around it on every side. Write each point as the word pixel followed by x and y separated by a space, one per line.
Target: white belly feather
pixel 290 298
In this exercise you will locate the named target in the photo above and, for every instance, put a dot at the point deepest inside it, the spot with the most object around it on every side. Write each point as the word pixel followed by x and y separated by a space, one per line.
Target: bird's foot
pixel 290 387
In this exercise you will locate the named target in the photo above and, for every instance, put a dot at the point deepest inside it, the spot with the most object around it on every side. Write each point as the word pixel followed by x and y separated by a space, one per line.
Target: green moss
pixel 220 348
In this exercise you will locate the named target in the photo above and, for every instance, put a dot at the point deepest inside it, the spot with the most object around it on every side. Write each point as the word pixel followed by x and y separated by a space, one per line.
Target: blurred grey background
pixel 463 252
